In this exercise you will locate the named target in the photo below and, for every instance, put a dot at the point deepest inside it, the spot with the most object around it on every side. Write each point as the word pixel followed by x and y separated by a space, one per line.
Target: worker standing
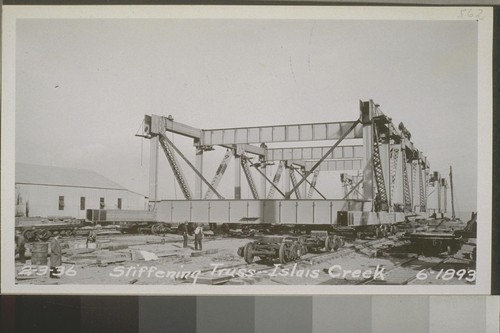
pixel 198 236
pixel 55 257
pixel 92 237
pixel 183 228
pixel 20 248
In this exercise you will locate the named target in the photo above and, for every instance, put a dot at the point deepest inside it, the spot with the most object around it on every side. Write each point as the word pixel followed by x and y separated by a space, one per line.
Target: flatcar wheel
pixel 334 242
pixel 29 235
pixel 156 229
pixel 43 234
pixel 241 251
pixel 248 253
pixel 284 253
pixel 296 251
pixel 328 244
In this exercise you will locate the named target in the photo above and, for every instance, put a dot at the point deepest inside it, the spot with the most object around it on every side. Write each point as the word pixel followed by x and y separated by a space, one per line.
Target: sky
pixel 84 86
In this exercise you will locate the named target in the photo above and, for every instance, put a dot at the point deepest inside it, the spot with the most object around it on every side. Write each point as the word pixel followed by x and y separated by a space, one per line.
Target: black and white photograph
pixel 246 150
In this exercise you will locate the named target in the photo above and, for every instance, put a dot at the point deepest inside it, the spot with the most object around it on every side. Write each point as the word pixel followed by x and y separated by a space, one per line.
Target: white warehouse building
pixel 43 191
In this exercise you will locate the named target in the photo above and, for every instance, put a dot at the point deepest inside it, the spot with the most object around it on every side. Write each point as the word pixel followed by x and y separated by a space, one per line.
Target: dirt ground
pixel 161 260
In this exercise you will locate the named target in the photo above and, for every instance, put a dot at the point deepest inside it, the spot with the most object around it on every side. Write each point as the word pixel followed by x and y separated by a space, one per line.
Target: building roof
pixel 58 176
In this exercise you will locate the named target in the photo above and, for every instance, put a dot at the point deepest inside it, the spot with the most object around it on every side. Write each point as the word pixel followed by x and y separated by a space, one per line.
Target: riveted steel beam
pixel 281 133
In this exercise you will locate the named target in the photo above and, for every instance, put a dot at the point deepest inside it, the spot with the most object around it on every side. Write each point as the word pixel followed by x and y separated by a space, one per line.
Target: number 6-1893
pixel 448 274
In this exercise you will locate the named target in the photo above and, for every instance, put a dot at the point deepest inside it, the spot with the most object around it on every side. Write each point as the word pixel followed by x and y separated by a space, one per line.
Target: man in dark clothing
pixel 198 236
pixel 184 231
pixel 55 257
pixel 92 236
pixel 20 248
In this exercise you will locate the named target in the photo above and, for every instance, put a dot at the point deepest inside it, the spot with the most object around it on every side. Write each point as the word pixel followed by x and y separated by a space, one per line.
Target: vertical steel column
pixel 439 192
pixel 263 181
pixel 304 193
pixel 451 190
pixel 406 184
pixel 286 177
pixel 414 188
pixel 426 185
pixel 381 198
pixel 445 195
pixel 153 169
pixel 366 109
pixel 389 178
pixel 237 176
pixel 394 170
pixel 198 184
pixel 423 196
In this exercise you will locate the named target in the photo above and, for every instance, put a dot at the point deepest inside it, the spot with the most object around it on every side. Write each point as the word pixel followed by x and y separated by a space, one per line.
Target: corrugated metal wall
pixel 44 200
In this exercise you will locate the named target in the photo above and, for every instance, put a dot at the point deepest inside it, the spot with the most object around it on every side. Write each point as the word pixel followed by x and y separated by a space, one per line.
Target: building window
pixel 61 202
pixel 119 203
pixel 82 203
pixel 101 206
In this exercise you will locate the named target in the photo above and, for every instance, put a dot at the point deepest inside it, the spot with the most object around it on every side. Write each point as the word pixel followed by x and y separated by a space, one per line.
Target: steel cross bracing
pixel 174 163
pixel 379 173
pixel 313 184
pixel 179 176
pixel 353 188
pixel 309 159
pixel 423 195
pixel 294 183
pixel 276 179
pixel 406 184
pixel 318 163
pixel 219 173
pixel 414 170
pixel 394 168
pixel 268 180
pixel 248 175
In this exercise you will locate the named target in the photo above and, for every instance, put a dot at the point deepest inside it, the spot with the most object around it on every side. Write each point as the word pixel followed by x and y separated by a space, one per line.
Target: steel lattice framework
pixel 370 144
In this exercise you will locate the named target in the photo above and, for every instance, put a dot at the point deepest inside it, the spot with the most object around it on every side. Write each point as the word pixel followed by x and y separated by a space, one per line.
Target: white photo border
pixel 484 150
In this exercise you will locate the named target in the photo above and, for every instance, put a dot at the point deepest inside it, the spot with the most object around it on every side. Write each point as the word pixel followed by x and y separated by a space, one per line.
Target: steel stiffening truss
pixel 370 145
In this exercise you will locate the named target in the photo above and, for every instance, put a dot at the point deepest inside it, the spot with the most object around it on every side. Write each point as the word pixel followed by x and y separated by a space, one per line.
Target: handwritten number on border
pixel 471 13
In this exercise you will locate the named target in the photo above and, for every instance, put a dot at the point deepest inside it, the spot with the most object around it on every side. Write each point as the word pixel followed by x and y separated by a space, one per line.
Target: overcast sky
pixel 83 86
